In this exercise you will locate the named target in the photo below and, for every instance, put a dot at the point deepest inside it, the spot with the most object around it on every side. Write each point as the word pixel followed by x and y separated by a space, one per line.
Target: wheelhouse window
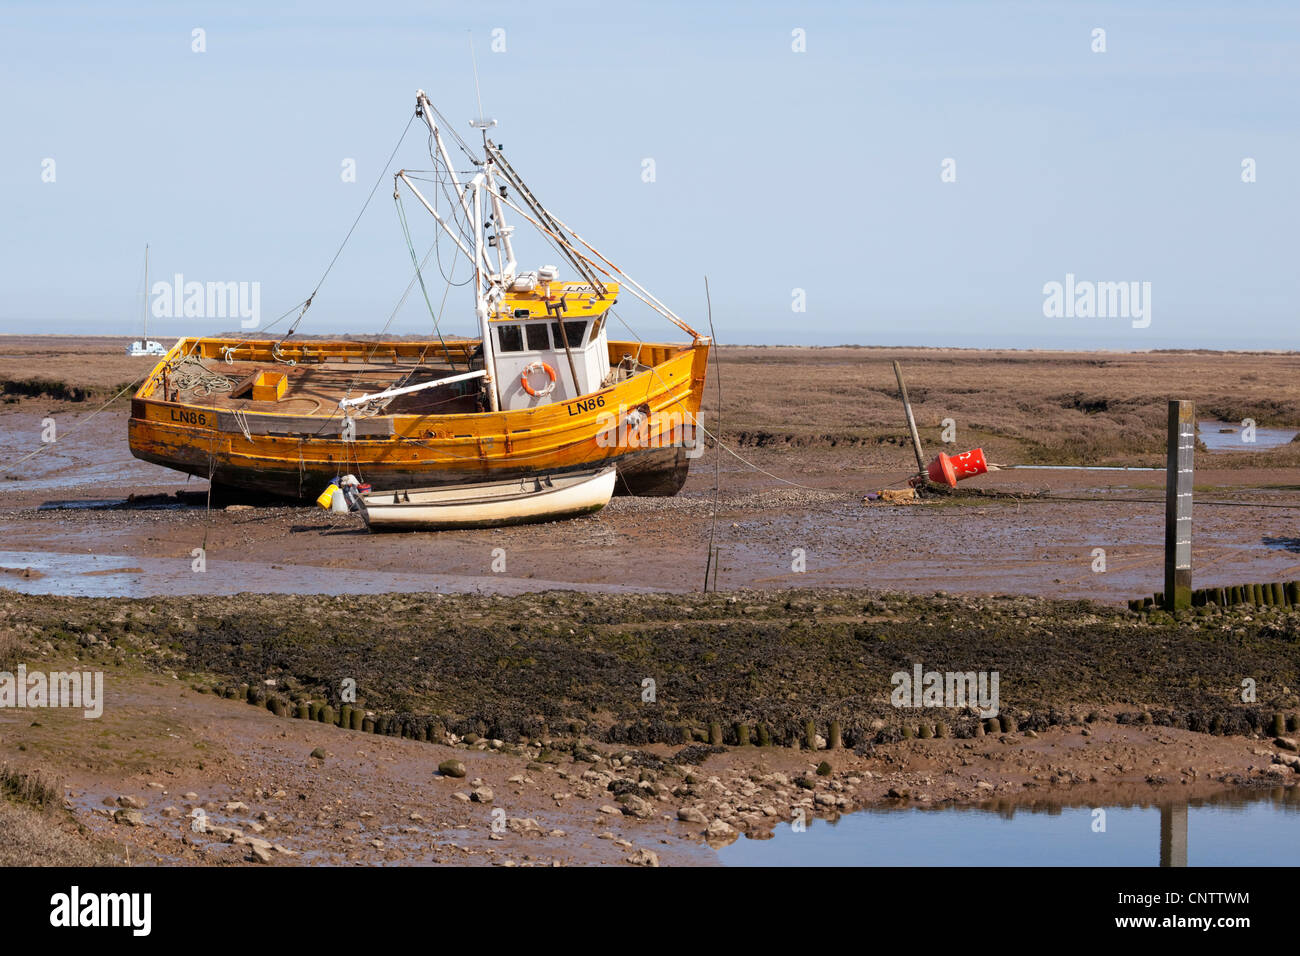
pixel 574 330
pixel 510 338
pixel 537 338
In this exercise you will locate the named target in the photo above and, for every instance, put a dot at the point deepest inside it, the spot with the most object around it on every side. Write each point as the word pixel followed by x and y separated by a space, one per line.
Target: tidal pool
pixel 1237 828
pixel 1229 436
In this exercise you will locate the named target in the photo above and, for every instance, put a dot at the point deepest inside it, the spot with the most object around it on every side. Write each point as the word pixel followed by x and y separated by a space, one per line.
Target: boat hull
pixel 497 505
pixel 297 456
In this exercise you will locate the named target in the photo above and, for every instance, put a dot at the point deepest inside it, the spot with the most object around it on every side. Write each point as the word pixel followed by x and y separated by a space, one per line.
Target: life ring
pixel 538 367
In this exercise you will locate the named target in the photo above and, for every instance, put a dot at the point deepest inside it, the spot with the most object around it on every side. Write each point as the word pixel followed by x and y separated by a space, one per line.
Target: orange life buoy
pixel 538 367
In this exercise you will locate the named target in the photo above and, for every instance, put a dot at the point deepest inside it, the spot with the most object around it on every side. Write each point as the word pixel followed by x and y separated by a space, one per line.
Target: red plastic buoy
pixel 948 471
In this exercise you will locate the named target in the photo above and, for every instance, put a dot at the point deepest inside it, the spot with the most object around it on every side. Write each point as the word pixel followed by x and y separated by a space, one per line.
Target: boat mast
pixel 425 109
pixel 144 342
pixel 486 295
pixel 505 249
pixel 488 287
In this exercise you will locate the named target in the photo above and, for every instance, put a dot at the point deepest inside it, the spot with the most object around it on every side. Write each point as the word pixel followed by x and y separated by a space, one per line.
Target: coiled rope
pixel 190 374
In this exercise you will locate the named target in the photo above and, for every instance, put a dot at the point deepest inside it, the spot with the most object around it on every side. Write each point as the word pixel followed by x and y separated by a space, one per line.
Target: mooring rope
pixel 241 419
pixel 994 495
pixel 81 421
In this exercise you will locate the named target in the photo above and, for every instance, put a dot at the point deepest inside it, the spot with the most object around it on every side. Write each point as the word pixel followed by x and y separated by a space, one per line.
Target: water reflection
pixel 1173 835
pixel 1237 827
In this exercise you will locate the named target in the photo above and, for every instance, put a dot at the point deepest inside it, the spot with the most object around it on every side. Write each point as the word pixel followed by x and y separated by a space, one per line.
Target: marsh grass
pixel 34 788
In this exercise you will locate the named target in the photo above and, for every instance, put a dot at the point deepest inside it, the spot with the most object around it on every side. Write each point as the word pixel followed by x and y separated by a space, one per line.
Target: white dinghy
pixel 489 504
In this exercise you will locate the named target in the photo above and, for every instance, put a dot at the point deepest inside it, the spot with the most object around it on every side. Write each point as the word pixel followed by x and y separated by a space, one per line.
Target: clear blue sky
pixel 775 170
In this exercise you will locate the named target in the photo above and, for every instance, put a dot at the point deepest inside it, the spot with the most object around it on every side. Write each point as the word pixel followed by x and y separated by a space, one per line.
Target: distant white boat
pixel 146 345
pixel 489 504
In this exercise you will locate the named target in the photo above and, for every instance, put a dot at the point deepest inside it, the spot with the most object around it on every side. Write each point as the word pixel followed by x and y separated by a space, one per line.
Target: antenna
pixel 145 344
pixel 482 122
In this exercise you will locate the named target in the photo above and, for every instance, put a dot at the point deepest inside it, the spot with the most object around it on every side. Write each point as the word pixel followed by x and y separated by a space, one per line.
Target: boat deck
pixel 317 388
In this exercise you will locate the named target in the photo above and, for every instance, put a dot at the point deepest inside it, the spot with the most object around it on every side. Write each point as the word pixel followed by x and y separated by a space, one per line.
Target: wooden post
pixel 1178 506
pixel 911 422
pixel 1173 835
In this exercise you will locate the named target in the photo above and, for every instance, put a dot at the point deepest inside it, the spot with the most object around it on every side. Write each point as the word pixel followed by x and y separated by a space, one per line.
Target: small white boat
pixel 145 345
pixel 489 504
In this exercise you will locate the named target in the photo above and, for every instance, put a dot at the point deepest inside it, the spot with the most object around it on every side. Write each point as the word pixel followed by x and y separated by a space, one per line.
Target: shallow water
pixel 1239 828
pixel 97 575
pixel 1227 436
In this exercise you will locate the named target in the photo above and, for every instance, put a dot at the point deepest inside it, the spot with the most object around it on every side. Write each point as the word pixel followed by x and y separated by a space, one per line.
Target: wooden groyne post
pixel 1178 506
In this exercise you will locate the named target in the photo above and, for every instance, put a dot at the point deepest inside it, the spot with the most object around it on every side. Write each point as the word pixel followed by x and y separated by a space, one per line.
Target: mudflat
pixel 807 433
pixel 524 653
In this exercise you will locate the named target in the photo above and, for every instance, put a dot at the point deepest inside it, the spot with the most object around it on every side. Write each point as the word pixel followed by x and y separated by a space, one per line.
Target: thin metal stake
pixel 911 421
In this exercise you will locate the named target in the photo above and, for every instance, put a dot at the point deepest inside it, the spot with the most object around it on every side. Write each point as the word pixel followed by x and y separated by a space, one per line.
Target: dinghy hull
pixel 496 504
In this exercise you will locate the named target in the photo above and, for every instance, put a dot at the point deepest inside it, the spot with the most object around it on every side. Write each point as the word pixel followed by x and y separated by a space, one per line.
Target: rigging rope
pixel 371 195
pixel 415 261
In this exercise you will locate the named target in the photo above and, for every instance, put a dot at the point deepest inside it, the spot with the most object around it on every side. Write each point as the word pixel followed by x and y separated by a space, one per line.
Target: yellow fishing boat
pixel 543 389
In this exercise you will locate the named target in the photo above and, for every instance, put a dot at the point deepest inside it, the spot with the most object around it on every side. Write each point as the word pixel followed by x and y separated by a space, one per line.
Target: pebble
pixel 634 806
pixel 644 857
pixel 720 833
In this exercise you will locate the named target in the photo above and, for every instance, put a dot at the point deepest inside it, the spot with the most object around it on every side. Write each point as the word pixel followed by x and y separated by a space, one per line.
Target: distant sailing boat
pixel 143 346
